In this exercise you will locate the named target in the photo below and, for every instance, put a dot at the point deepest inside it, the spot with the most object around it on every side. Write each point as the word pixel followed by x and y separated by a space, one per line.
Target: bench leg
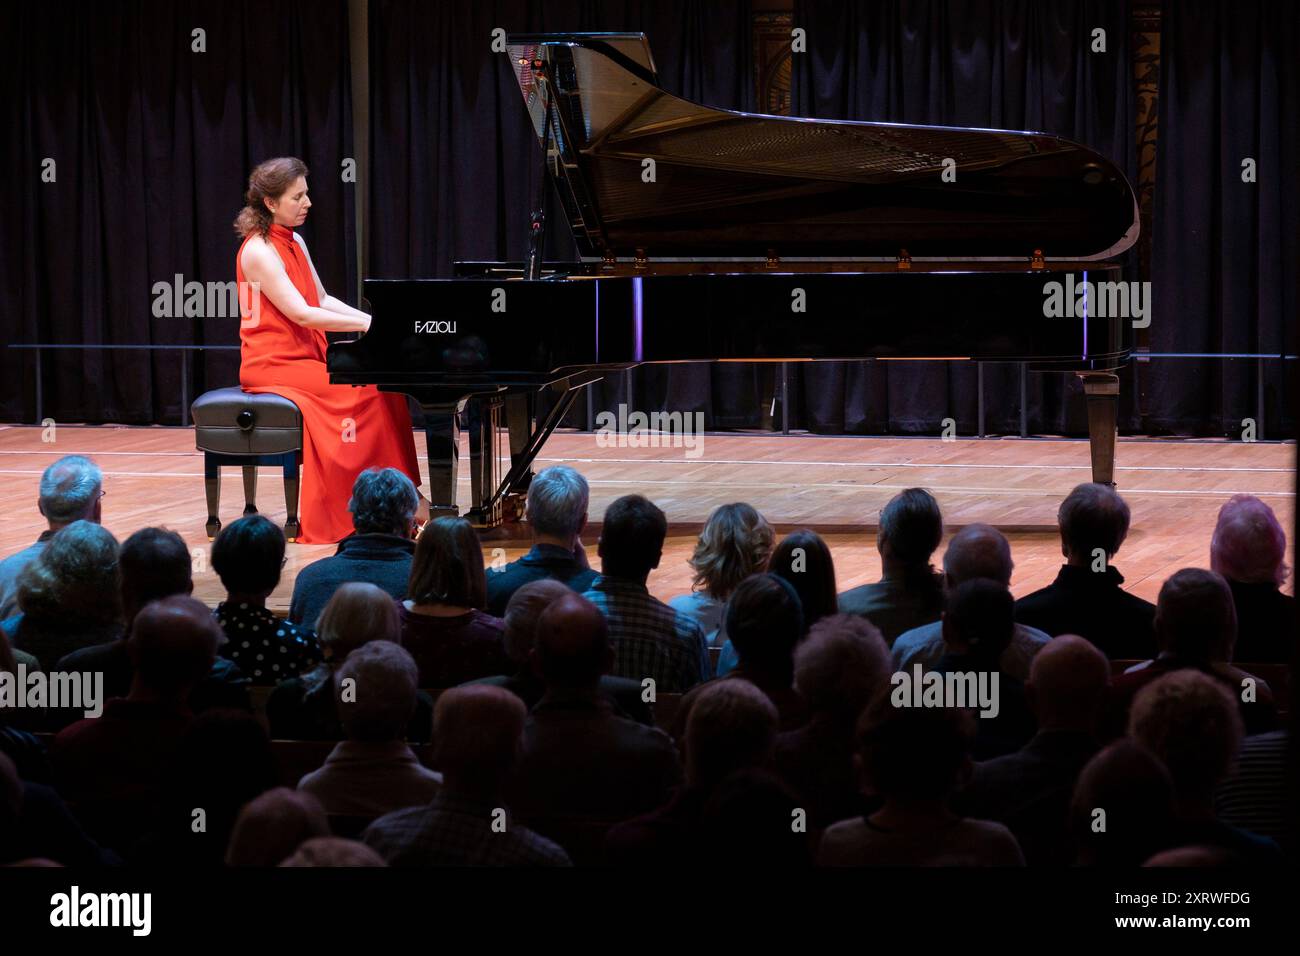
pixel 212 489
pixel 250 489
pixel 291 527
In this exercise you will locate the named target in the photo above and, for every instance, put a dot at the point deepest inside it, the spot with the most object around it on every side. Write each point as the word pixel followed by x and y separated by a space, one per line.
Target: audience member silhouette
pixel 909 592
pixel 1249 549
pixel 442 620
pixel 373 771
pixel 556 510
pixel 976 551
pixel 477 733
pixel 1087 598
pixel 650 639
pixel 735 543
pixel 379 550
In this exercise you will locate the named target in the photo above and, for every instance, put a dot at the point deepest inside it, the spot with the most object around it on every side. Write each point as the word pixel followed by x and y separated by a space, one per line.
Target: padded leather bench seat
pixel 234 427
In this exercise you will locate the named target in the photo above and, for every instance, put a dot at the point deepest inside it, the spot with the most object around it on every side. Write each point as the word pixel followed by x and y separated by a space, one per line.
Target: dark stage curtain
pixel 153 143
pixel 1224 260
pixel 1021 65
pixel 455 163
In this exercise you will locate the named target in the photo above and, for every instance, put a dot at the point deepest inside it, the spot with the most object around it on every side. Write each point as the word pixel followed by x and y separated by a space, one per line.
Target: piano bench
pixel 234 427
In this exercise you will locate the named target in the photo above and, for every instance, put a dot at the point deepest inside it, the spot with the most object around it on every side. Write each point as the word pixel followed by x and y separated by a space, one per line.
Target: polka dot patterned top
pixel 266 648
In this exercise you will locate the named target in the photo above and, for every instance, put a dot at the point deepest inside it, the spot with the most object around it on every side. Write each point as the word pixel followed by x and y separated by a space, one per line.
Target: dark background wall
pixel 153 141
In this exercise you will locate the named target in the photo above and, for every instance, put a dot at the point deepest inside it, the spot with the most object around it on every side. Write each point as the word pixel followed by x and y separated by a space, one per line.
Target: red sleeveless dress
pixel 346 429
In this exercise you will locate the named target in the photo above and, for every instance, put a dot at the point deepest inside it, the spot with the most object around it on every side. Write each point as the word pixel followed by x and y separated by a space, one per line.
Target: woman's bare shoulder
pixel 258 251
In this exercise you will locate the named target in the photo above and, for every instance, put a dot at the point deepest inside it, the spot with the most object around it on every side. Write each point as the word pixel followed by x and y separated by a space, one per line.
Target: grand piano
pixel 707 235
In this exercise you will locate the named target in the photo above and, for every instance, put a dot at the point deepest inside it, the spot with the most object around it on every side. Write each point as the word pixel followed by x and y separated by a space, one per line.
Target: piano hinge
pixel 773 260
pixel 640 261
pixel 608 261
pixel 904 259
pixel 1036 260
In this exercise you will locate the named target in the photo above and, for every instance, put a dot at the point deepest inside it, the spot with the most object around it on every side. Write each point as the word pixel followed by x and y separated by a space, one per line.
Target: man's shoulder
pixel 1037 600
pixel 11 562
pixel 918 638
pixel 1023 634
pixel 860 599
pixel 96 657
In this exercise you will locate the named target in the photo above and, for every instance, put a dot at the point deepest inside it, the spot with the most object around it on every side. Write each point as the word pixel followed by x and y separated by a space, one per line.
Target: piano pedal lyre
pixel 640 262
pixel 904 259
pixel 609 261
pixel 773 260
pixel 1036 261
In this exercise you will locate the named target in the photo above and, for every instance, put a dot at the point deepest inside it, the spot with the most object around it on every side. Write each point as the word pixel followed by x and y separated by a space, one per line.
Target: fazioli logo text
pixel 434 328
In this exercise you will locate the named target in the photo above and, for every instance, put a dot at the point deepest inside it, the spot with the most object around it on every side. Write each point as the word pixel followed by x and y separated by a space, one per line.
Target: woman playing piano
pixel 285 315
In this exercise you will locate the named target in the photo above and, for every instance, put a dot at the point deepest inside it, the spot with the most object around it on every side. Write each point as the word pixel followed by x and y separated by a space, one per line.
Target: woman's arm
pixel 328 301
pixel 262 266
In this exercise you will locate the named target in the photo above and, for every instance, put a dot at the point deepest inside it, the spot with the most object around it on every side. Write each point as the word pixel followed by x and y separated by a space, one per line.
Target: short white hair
pixel 69 489
pixel 557 501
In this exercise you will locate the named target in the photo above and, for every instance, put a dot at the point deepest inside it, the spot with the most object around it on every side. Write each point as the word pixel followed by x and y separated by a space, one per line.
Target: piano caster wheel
pixel 212 527
pixel 292 530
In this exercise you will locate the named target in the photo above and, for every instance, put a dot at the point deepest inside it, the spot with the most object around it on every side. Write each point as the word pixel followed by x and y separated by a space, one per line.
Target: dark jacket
pixel 1258 716
pixel 580 761
pixel 225 685
pixel 1093 605
pixel 49 641
pixel 383 560
pixel 302 709
pixel 624 693
pixel 543 561
pixel 1266 623
pixel 1029 791
pixel 896 604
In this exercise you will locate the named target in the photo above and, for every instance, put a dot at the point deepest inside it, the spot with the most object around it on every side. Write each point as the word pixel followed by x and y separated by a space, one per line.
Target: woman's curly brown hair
pixel 735 543
pixel 268 180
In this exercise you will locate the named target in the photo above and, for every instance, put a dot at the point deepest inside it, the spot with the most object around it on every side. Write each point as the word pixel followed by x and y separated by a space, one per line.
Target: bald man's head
pixel 978 551
pixel 476 731
pixel 173 645
pixel 573 647
pixel 1068 680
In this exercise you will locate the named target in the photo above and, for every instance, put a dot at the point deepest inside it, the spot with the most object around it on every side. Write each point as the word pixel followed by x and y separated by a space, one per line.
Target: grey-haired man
pixel 70 491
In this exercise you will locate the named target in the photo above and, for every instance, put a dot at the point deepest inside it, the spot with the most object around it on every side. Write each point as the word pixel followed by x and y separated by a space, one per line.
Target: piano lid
pixel 731 184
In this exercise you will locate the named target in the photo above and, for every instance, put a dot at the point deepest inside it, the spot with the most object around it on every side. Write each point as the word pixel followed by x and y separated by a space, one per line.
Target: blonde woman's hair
pixel 735 543
pixel 357 614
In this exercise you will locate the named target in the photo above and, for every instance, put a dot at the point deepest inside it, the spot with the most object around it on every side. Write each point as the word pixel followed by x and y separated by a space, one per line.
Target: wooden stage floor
pixel 834 485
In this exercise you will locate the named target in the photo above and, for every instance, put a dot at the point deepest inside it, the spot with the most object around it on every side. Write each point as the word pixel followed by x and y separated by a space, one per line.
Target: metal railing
pixel 40 347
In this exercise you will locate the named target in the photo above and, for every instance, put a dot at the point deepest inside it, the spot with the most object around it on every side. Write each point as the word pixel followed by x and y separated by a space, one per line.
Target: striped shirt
pixel 1254 797
pixel 649 638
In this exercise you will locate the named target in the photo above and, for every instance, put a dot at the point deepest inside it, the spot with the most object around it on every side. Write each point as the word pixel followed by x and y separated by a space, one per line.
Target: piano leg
pixel 519 420
pixel 483 416
pixel 442 444
pixel 1102 392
